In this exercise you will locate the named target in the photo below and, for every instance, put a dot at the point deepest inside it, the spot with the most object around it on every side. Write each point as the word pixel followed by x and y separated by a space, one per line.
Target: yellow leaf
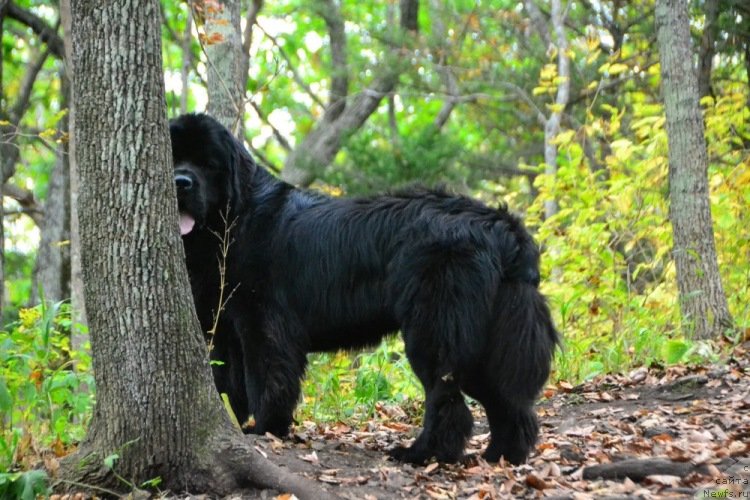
pixel 592 41
pixel 549 71
pixel 617 68
pixel 564 137
pixel 593 56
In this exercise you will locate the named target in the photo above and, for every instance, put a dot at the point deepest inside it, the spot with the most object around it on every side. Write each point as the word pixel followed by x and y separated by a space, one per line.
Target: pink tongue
pixel 186 224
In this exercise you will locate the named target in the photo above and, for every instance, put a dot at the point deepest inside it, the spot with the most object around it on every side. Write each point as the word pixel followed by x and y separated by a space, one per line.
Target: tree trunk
pixel 707 48
pixel 702 301
pixel 552 126
pixel 330 11
pixel 51 276
pixel 226 83
pixel 77 299
pixel 156 407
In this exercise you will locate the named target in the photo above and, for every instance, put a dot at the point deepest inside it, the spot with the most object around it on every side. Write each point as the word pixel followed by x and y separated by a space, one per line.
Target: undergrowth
pixel 46 396
pixel 47 387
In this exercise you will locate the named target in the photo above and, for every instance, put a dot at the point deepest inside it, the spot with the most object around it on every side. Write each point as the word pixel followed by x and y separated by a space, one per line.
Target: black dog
pixel 311 273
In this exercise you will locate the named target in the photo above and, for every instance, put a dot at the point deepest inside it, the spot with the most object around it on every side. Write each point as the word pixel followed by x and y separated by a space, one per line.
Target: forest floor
pixel 660 433
pixel 677 432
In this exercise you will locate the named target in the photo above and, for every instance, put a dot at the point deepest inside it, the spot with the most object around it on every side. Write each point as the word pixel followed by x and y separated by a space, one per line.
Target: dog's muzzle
pixel 184 184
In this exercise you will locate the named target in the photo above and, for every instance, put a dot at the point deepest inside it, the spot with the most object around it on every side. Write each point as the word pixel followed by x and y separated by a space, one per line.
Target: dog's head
pixel 210 169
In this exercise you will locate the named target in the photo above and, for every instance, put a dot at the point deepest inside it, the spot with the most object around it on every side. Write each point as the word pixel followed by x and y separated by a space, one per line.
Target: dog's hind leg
pixel 447 419
pixel 514 370
pixel 513 430
pixel 443 288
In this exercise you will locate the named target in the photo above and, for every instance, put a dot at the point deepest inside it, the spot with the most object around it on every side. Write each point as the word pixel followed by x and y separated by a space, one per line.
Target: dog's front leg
pixel 275 370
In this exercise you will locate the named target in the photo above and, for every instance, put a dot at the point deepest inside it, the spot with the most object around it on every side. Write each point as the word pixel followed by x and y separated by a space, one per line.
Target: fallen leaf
pixel 535 481
pixel 664 480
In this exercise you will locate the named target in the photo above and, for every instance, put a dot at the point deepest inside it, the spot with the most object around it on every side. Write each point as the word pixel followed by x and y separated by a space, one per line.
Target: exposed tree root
pixel 231 466
pixel 639 469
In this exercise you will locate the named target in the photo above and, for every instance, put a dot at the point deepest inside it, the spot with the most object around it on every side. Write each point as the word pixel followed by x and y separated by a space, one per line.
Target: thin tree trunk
pixel 707 48
pixel 156 405
pixel 187 60
pixel 330 11
pixel 224 54
pixel 51 275
pixel 552 126
pixel 77 298
pixel 702 301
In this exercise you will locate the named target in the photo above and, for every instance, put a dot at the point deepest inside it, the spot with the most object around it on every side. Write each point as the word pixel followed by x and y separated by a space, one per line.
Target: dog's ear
pixel 242 168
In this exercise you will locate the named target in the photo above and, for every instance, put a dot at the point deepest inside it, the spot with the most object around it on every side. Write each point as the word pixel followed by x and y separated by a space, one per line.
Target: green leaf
pixel 674 350
pixel 6 401
pixel 109 462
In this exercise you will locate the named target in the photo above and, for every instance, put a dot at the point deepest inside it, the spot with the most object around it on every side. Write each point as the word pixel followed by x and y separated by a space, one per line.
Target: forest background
pixel 555 109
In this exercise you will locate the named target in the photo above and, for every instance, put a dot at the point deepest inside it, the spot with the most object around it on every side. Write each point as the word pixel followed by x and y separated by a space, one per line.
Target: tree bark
pixel 156 405
pixel 552 126
pixel 51 275
pixel 330 11
pixel 77 298
pixel 702 301
pixel 224 54
pixel 707 48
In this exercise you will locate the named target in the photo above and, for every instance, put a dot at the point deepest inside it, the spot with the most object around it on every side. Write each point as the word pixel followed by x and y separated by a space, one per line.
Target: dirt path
pixel 674 433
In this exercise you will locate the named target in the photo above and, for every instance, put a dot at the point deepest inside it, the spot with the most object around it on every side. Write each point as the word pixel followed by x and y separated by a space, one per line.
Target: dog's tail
pixel 523 341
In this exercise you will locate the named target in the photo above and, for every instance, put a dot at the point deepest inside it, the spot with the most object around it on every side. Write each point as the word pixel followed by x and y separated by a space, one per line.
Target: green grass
pixel 346 386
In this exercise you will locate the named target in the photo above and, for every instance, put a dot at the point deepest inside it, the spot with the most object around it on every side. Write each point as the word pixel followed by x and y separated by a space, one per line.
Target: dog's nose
pixel 183 182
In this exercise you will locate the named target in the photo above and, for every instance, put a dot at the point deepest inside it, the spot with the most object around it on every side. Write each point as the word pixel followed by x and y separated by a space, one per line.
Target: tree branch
pixel 46 33
pixel 27 84
pixel 297 78
pixel 250 21
pixel 409 15
pixel 276 132
pixel 446 73
pixel 331 13
pixel 538 21
pixel 521 94
pixel 552 127
pixel 611 84
pixel 496 166
pixel 27 202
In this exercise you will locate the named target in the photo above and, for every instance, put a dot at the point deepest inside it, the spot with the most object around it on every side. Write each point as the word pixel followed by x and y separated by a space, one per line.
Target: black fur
pixel 313 273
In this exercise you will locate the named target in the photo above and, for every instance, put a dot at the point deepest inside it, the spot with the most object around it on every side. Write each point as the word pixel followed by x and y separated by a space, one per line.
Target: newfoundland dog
pixel 305 272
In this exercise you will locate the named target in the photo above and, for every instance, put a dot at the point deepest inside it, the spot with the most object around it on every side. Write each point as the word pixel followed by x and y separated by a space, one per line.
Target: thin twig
pixel 226 243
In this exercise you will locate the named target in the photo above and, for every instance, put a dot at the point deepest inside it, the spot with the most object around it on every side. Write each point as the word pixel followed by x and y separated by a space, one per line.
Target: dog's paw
pixel 248 429
pixel 409 455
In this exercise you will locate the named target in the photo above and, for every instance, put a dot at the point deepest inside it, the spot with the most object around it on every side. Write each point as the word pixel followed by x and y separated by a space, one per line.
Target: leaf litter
pixel 676 432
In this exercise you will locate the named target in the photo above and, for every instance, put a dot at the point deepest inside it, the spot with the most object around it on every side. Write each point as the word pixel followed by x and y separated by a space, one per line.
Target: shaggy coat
pixel 308 273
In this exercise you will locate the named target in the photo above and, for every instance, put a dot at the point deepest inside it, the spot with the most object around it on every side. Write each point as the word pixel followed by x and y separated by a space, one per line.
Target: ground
pixel 660 433
pixel 676 432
